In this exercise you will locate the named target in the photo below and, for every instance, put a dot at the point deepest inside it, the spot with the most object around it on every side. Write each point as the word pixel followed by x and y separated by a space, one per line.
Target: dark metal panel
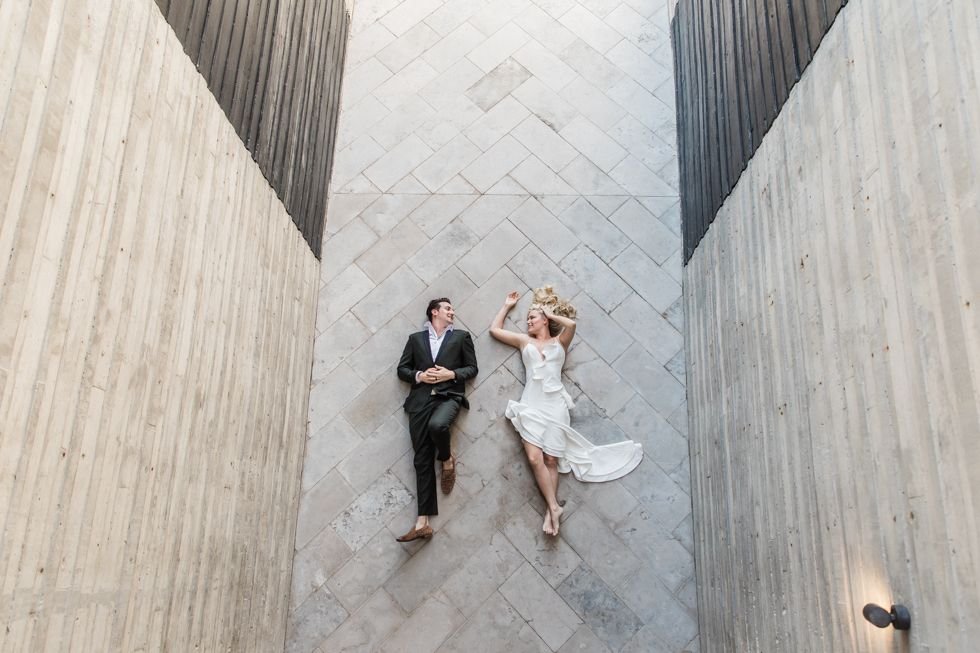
pixel 230 46
pixel 816 22
pixel 743 81
pixel 714 97
pixel 246 77
pixel 785 57
pixel 735 64
pixel 800 35
pixel 194 31
pixel 765 102
pixel 733 76
pixel 833 7
pixel 274 66
pixel 700 126
pixel 221 23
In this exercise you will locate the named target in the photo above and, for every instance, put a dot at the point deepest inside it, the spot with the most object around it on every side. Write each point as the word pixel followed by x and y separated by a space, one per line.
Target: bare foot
pixel 548 527
pixel 555 515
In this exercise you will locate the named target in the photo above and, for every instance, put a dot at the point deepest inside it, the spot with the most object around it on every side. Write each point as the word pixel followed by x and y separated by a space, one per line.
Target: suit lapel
pixel 426 350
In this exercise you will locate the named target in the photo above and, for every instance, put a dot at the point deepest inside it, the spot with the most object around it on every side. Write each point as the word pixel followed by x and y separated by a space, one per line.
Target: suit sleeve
pixel 406 367
pixel 468 370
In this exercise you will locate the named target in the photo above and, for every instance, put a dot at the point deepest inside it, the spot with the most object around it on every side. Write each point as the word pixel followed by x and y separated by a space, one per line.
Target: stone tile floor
pixel 484 147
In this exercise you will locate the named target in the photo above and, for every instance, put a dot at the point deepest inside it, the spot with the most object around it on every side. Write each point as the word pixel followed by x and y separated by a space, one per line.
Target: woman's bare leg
pixel 551 463
pixel 545 485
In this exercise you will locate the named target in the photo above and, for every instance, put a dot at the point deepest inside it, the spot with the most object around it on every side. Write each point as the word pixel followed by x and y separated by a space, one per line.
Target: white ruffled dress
pixel 541 417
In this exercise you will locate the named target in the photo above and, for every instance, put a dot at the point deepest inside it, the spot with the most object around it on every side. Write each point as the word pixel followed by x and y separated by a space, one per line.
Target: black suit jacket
pixel 456 353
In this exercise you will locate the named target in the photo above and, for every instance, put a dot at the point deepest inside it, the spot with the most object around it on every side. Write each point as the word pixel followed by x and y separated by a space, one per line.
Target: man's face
pixel 444 314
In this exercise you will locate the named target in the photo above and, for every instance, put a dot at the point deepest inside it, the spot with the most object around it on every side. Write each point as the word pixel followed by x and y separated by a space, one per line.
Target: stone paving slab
pixel 488 146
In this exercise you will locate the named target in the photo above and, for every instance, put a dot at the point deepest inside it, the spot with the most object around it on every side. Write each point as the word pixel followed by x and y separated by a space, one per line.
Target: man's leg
pixel 440 425
pixel 425 451
pixel 440 431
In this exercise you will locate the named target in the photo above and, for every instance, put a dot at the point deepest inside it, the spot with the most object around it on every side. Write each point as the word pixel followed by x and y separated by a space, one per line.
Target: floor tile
pixel 315 563
pixel 378 450
pixel 319 614
pixel 544 65
pixel 651 380
pixel 663 340
pixel 603 612
pixel 492 252
pixel 592 66
pixel 453 47
pixel 326 448
pixel 426 628
pixel 495 49
pixel 446 162
pixel 584 641
pixel 600 548
pixel 368 627
pixel 595 277
pixel 635 63
pixel 368 513
pixel 551 557
pixel 496 626
pixel 594 143
pixel 648 233
pixel 496 162
pixel 407 46
pixel 442 252
pixel 545 103
pixel 538 603
pixel 482 573
pixel 503 115
pixel 544 229
pixel 319 505
pixel 398 162
pixel 593 229
pixel 539 179
pixel 585 176
pixel 544 143
pixel 488 211
pixel 648 278
pixel 388 253
pixel 590 29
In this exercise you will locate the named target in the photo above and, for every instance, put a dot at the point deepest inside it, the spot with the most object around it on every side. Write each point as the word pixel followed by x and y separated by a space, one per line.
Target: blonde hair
pixel 546 297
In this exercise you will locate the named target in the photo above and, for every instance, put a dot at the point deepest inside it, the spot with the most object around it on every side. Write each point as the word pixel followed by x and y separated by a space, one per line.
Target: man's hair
pixel 434 305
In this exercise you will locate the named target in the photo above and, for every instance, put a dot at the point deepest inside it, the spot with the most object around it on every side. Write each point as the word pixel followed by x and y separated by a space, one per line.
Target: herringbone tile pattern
pixel 486 147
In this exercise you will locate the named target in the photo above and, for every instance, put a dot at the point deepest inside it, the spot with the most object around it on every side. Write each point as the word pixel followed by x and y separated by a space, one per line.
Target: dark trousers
pixel 430 430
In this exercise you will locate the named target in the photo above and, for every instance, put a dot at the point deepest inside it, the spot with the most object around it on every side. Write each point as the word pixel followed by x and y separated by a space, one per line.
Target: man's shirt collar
pixel 432 331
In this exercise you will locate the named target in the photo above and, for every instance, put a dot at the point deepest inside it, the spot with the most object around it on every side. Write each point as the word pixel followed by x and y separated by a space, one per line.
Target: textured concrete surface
pixel 487 147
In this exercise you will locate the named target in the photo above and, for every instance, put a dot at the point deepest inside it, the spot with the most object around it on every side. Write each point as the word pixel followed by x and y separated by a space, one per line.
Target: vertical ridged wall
pixel 155 344
pixel 834 351
pixel 275 68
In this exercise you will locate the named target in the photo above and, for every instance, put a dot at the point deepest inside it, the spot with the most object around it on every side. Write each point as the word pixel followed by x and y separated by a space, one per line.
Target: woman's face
pixel 536 322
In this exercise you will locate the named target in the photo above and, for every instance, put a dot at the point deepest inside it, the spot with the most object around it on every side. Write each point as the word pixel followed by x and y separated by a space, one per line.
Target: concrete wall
pixel 155 346
pixel 834 351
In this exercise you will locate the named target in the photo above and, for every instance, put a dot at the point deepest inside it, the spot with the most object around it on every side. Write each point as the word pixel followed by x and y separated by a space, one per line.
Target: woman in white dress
pixel 541 416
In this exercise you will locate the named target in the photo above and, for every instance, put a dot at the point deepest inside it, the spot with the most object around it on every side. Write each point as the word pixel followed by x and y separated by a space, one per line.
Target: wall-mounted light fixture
pixel 899 616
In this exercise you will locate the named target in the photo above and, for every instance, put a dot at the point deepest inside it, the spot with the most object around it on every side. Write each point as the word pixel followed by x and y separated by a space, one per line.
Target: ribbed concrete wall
pixel 834 351
pixel 155 345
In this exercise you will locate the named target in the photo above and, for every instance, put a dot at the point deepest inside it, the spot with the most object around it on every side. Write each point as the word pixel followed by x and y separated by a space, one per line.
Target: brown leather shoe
pixel 449 477
pixel 423 533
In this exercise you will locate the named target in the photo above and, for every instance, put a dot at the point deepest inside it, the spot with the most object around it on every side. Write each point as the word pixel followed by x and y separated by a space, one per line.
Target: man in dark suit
pixel 437 362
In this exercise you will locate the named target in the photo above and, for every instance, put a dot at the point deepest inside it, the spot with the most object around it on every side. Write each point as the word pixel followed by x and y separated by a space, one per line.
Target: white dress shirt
pixel 435 343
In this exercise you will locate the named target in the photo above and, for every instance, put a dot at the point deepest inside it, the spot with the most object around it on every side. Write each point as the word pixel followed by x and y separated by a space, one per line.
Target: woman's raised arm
pixel 497 329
